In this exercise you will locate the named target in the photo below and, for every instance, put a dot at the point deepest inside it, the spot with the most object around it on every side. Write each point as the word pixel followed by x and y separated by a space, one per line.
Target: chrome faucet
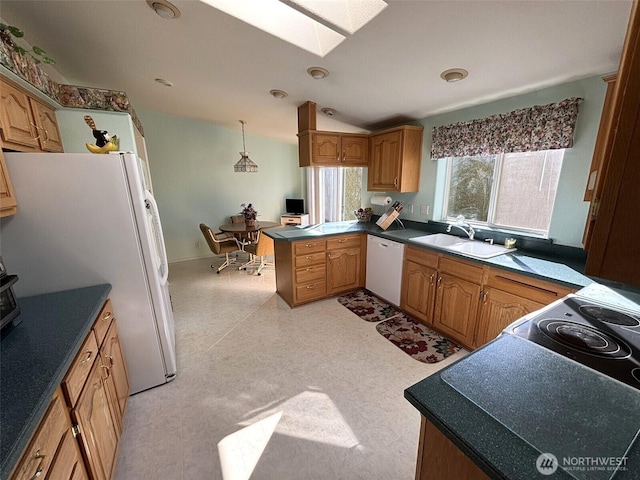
pixel 460 223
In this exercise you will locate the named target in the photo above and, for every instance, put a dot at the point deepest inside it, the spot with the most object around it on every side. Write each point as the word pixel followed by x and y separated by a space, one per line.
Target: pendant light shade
pixel 244 164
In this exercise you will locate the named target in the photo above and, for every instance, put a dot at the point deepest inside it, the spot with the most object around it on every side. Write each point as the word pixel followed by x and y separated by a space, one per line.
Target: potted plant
pixel 249 214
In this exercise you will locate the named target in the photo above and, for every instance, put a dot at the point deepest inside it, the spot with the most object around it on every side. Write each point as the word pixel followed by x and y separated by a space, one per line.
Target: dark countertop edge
pixel 31 424
pixel 465 424
pixel 395 235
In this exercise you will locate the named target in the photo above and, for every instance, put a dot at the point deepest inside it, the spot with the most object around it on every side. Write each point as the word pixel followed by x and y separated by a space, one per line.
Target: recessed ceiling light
pixel 317 72
pixel 164 9
pixel 279 94
pixel 329 112
pixel 164 82
pixel 454 75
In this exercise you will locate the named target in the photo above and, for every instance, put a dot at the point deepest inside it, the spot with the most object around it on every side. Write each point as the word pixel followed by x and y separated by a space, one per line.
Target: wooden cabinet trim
pixel 8 202
pixel 76 377
pixel 39 455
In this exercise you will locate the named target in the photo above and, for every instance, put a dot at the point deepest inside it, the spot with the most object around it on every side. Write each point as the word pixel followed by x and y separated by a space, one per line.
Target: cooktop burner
pixel 606 315
pixel 598 336
pixel 584 339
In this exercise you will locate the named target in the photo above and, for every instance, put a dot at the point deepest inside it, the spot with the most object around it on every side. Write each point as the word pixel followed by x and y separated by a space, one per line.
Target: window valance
pixel 542 127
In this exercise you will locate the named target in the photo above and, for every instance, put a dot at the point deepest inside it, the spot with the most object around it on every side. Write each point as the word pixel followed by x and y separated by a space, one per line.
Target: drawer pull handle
pixel 88 357
pixel 108 369
pixel 110 360
pixel 309 287
pixel 107 315
pixel 39 468
pixel 309 245
pixel 309 257
pixel 342 240
pixel 432 278
pixel 310 269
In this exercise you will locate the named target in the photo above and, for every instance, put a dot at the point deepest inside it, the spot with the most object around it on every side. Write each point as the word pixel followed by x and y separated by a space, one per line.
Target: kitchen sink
pixel 473 248
pixel 439 240
pixel 479 249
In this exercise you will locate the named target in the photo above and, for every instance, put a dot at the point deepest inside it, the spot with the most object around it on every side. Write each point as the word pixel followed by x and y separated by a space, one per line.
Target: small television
pixel 294 205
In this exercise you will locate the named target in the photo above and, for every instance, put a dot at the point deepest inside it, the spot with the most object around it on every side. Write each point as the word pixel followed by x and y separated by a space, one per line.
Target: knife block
pixel 387 218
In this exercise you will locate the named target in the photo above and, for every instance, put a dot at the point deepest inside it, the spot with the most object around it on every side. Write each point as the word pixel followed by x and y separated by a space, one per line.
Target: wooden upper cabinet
pixel 333 149
pixel 18 128
pixel 395 159
pixel 8 203
pixel 612 250
pixel 28 124
pixel 47 125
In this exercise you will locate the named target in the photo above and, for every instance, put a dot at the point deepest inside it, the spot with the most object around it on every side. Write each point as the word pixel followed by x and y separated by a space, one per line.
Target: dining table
pixel 242 229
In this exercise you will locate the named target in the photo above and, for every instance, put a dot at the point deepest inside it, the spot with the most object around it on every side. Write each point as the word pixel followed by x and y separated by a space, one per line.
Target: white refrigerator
pixel 86 219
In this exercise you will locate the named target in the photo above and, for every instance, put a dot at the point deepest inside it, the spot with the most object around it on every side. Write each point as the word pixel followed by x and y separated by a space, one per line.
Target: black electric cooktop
pixel 599 336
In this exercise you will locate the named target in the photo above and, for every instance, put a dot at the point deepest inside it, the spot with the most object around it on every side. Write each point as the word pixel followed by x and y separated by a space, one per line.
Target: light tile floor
pixel 325 386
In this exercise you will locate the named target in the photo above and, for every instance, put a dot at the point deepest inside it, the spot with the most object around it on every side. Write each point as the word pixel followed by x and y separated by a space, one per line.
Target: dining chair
pixel 221 244
pixel 258 251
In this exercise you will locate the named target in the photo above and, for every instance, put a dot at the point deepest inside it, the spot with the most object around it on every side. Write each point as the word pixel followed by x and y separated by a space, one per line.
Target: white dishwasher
pixel 384 268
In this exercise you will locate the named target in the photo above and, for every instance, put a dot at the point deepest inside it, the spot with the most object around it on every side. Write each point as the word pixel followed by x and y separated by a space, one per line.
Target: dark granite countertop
pixel 523 262
pixel 35 355
pixel 511 400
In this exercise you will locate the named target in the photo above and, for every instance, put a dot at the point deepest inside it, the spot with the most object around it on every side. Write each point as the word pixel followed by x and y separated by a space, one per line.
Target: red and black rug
pixel 409 335
pixel 416 339
pixel 367 306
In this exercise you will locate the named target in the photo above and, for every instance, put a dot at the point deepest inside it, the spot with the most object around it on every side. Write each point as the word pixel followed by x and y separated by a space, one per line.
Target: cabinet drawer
pixel 79 371
pixel 103 322
pixel 421 256
pixel 344 241
pixel 38 457
pixel 309 274
pixel 463 270
pixel 527 287
pixel 311 246
pixel 311 291
pixel 308 260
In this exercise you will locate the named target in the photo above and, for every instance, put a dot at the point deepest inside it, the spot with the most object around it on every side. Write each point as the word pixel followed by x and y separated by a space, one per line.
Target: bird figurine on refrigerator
pixel 104 142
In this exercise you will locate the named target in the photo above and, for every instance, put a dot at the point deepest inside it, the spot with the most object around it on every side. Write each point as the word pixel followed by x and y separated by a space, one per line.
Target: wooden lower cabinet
pixel 468 302
pixel 118 381
pixel 456 307
pixel 309 270
pixel 458 291
pixel 345 265
pixel 419 274
pixel 98 433
pixel 440 459
pixel 498 310
pixel 78 437
pixel 68 463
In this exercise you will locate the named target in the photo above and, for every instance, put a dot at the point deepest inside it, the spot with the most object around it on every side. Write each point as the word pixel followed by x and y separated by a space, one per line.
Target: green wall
pixel 191 165
pixel 570 211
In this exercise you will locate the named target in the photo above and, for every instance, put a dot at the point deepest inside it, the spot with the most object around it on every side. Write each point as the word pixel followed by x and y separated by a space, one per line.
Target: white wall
pixel 191 166
pixel 570 211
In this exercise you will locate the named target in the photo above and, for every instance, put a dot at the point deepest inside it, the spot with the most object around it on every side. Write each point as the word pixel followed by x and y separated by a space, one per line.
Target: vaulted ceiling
pixel 387 72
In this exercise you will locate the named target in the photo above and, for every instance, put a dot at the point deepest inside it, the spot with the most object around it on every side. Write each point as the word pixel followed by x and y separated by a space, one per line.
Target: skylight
pixel 308 24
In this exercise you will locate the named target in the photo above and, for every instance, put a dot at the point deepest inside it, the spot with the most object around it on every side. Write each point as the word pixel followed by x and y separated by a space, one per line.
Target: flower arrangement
pixel 248 211
pixel 363 214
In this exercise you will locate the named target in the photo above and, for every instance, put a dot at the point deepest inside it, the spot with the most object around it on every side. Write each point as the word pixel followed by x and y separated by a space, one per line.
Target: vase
pixel 250 222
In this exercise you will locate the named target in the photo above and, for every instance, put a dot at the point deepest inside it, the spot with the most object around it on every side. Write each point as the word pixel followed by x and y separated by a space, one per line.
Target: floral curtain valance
pixel 542 127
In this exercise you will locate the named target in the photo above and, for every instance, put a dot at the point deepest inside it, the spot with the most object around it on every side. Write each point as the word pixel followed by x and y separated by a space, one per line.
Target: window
pixel 333 193
pixel 512 191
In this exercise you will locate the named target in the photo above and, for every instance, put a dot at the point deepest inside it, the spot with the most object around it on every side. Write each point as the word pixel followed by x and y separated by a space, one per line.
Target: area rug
pixel 416 340
pixel 367 306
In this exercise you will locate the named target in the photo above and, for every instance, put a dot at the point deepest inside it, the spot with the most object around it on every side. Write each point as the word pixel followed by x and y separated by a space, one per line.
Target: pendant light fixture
pixel 244 164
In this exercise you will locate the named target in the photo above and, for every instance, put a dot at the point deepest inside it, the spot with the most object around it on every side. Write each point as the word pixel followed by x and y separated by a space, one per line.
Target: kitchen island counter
pixel 512 400
pixel 35 355
pixel 522 262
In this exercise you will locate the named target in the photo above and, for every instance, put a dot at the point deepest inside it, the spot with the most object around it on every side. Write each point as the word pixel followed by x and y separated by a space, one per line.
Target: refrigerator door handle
pixel 157 240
